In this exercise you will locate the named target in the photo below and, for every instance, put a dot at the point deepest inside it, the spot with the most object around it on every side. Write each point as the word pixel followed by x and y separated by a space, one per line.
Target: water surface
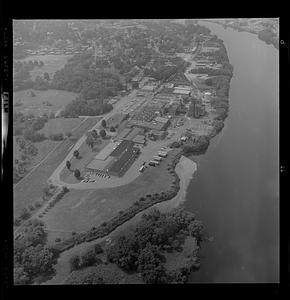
pixel 235 188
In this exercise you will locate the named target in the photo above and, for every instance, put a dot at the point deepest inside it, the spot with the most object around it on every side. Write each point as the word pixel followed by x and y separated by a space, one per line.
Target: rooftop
pixel 161 120
pixel 107 150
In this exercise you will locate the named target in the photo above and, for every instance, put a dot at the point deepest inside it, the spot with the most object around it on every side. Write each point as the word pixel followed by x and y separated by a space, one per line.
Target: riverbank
pixel 185 170
pixel 237 179
pixel 267 35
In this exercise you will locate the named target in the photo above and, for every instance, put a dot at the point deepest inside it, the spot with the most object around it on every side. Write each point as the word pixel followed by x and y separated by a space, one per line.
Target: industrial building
pixel 135 134
pixel 115 159
pixel 196 109
pixel 158 123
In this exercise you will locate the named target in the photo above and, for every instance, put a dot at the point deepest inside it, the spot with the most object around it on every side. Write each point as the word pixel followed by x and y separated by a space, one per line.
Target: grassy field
pixel 79 210
pixel 30 188
pixel 43 147
pixel 52 63
pixel 38 105
pixel 60 125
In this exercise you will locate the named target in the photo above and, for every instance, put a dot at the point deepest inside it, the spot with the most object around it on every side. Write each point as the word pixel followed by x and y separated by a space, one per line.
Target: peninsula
pixel 149 95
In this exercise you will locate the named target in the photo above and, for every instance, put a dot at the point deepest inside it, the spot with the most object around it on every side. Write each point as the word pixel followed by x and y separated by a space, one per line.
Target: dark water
pixel 235 188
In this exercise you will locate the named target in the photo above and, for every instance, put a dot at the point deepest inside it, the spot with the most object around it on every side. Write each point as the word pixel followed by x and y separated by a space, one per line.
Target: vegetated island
pixel 174 231
pixel 265 28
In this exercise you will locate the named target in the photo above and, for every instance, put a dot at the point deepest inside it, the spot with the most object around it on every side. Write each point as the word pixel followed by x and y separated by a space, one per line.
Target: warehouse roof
pixel 106 151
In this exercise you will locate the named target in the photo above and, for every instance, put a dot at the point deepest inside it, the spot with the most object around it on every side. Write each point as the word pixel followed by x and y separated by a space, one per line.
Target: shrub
pixel 77 173
pixel 98 249
pixel 17 222
pixel 74 263
pixel 56 137
pixel 24 214
pixel 37 204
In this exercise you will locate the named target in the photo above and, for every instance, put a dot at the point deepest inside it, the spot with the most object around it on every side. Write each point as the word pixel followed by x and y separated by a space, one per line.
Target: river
pixel 235 190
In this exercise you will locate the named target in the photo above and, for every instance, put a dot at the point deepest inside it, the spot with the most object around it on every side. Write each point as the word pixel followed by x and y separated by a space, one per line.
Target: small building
pixel 158 135
pixel 139 139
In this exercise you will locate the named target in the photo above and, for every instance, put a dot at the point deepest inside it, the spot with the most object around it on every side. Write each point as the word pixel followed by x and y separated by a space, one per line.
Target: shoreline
pixel 185 170
pixel 245 29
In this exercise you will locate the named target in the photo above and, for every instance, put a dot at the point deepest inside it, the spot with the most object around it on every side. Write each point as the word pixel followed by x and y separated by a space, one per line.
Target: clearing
pixel 44 101
pixel 60 125
pixel 52 63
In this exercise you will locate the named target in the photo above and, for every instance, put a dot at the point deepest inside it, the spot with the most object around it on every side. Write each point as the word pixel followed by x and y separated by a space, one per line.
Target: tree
pixel 112 129
pixel 68 164
pixel 77 173
pixel 46 76
pixel 104 123
pixel 76 154
pixel 31 150
pixel 148 258
pixel 24 214
pixel 21 143
pixel 90 141
pixel 156 275
pixel 124 252
pixel 88 259
pixel 103 133
pixel 74 263
pixel 94 134
pixel 20 276
pixel 195 229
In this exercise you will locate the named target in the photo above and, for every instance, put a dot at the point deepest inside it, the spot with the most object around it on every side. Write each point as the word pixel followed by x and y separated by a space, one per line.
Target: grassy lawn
pixel 38 105
pixel 52 63
pixel 30 188
pixel 79 210
pixel 60 125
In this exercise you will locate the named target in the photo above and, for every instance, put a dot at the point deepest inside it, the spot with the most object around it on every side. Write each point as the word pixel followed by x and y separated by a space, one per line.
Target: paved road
pixel 55 177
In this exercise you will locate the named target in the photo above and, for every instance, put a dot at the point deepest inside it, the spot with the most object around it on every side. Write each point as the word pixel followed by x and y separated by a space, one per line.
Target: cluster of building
pixel 196 108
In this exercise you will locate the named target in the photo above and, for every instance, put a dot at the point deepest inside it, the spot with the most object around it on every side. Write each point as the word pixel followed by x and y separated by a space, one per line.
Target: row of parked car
pixel 156 159
pixel 88 176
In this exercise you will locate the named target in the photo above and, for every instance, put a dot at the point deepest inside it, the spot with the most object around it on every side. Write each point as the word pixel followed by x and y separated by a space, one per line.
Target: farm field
pixel 79 210
pixel 52 63
pixel 43 102
pixel 30 188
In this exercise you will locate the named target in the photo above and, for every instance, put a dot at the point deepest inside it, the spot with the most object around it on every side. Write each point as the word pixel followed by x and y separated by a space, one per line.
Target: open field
pixel 29 189
pixel 38 105
pixel 80 210
pixel 52 63
pixel 60 125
